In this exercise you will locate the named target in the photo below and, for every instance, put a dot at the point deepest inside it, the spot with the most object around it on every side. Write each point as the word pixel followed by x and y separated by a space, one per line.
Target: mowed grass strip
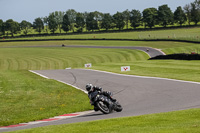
pixel 186 121
pixel 27 97
pixel 182 34
pixel 61 58
pixel 168 47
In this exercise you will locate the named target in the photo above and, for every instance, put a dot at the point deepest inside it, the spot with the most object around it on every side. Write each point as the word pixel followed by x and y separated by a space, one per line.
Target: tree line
pixel 77 21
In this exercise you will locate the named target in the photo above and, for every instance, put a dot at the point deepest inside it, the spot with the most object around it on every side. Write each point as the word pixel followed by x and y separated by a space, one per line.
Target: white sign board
pixel 125 68
pixel 88 65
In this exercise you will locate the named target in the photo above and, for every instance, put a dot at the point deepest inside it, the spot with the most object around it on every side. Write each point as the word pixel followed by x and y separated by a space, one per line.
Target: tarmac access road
pixel 138 95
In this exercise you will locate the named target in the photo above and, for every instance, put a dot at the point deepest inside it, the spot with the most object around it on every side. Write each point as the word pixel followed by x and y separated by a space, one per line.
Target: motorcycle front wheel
pixel 104 108
pixel 118 108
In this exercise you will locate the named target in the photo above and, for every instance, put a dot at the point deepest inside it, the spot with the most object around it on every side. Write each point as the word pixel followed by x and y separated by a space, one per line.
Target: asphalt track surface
pixel 150 51
pixel 138 95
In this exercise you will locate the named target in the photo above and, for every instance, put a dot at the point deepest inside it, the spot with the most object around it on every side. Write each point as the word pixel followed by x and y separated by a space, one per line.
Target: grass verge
pixel 27 97
pixel 186 121
pixel 173 69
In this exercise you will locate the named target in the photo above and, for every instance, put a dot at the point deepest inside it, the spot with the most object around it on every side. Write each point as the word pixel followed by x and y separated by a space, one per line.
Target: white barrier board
pixel 88 65
pixel 125 68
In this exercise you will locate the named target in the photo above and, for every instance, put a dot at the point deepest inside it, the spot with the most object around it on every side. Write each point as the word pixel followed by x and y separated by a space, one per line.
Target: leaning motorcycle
pixel 104 103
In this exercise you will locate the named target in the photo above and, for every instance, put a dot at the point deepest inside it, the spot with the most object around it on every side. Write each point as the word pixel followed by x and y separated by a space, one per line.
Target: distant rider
pixel 94 90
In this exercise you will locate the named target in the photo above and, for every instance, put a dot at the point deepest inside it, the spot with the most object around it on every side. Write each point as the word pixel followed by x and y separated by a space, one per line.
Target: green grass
pixel 61 58
pixel 36 94
pixel 23 93
pixel 173 69
pixel 179 34
pixel 168 47
pixel 27 97
pixel 173 122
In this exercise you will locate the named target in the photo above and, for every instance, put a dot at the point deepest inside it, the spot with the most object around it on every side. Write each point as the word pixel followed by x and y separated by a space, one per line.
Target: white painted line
pixel 39 74
pixel 144 76
pixel 59 81
pixel 33 122
pixel 73 86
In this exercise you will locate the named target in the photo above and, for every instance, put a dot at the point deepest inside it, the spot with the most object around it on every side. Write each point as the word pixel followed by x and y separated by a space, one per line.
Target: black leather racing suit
pixel 95 92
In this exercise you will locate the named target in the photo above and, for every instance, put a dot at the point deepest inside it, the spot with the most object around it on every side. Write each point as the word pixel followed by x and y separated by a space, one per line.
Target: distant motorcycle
pixel 104 103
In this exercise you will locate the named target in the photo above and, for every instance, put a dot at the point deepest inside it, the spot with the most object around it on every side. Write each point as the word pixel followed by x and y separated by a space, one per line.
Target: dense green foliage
pixel 38 25
pixel 135 18
pixel 165 15
pixel 179 16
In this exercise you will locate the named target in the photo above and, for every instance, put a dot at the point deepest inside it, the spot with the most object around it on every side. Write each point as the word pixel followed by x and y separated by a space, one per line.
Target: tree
pixel 179 16
pixel 72 18
pixel 66 23
pixel 45 21
pixel 80 23
pixel 59 19
pixel 25 26
pixel 126 15
pixel 150 17
pixel 165 15
pixel 91 23
pixel 98 17
pixel 195 12
pixel 107 21
pixel 187 9
pixel 38 25
pixel 53 25
pixel 12 26
pixel 135 18
pixel 1 26
pixel 119 20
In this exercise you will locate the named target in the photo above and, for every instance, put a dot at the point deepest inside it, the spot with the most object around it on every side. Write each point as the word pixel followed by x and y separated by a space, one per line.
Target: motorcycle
pixel 104 103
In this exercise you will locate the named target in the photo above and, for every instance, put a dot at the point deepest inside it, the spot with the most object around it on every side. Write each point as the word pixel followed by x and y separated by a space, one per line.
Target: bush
pixel 181 56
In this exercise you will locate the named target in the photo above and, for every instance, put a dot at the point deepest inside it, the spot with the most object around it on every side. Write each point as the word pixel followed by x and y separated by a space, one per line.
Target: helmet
pixel 89 87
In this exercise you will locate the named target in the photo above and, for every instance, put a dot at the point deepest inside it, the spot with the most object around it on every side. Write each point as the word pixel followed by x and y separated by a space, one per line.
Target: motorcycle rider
pixel 92 89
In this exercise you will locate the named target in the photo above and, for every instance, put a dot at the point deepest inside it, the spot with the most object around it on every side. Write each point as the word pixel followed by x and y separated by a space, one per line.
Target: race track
pixel 138 95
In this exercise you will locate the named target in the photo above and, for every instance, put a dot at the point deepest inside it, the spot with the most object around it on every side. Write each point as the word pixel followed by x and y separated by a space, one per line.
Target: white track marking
pixel 58 80
pixel 143 76
pixel 39 74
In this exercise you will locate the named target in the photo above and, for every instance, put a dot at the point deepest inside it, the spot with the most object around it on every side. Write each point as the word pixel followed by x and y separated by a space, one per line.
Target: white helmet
pixel 89 87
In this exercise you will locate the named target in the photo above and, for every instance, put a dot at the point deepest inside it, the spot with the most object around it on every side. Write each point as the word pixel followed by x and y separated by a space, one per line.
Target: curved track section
pixel 138 95
pixel 150 51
